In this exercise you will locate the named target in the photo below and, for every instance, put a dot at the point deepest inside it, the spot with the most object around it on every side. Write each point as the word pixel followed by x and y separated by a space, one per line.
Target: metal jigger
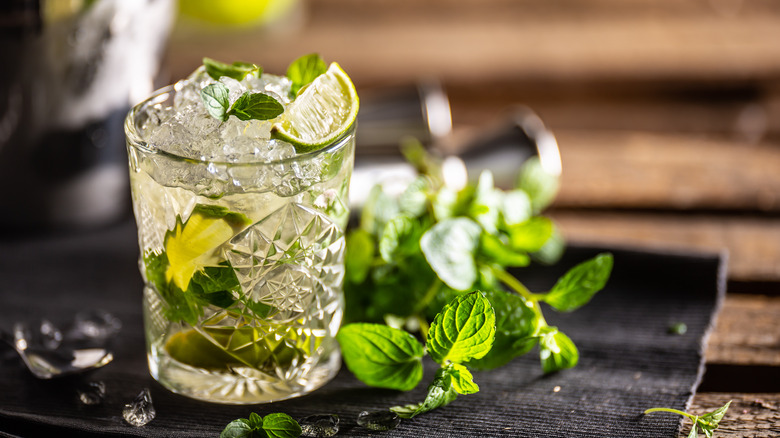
pixel 387 117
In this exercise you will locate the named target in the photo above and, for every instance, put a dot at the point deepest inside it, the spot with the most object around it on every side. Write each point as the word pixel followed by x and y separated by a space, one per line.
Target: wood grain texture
pixel 749 416
pixel 474 41
pixel 668 171
pixel 752 242
pixel 747 332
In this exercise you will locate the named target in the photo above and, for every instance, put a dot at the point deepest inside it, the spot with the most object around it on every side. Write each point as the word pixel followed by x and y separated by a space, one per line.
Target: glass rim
pixel 163 94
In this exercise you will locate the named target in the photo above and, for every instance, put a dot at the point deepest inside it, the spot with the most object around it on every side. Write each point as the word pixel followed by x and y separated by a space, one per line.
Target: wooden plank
pixel 477 41
pixel 751 241
pixel 743 111
pixel 747 332
pixel 674 171
pixel 750 415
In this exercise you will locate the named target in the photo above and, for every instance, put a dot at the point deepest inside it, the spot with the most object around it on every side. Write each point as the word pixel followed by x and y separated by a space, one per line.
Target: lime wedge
pixel 191 246
pixel 322 112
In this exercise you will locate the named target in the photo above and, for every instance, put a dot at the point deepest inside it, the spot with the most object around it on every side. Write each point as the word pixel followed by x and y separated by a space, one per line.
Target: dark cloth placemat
pixel 628 360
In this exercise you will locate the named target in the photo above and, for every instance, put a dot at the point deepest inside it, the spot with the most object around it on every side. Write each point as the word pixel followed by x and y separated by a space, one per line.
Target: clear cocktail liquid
pixel 242 248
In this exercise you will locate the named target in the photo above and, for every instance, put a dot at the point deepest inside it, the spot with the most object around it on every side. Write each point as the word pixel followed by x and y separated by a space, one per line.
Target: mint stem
pixel 674 411
pixel 514 283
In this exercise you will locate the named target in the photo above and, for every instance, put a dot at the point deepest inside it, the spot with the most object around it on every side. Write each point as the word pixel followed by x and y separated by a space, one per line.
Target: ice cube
pixel 378 420
pixel 93 393
pixel 235 88
pixel 276 86
pixel 96 324
pixel 319 425
pixel 44 335
pixel 141 410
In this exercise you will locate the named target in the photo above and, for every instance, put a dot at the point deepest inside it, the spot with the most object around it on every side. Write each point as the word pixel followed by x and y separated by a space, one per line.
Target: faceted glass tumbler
pixel 243 265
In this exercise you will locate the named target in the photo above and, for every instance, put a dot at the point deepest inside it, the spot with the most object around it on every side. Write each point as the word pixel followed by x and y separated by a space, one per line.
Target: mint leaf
pixel 580 283
pixel 216 98
pixel 516 324
pixel 281 426
pixel 381 356
pixel 710 421
pixel 255 420
pixel 516 208
pixel 440 393
pixel 552 250
pixel 462 380
pixel 414 200
pixel 531 235
pixel 215 285
pixel 464 330
pixel 304 70
pixel 449 248
pixel 496 251
pixel 359 255
pixel 179 305
pixel 556 350
pixel 377 211
pixel 488 200
pixel 399 238
pixel 257 106
pixel 540 185
pixel 240 428
pixel 236 70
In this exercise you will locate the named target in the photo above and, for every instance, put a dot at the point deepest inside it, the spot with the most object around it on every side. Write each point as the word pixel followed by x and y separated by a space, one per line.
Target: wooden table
pixel 667 115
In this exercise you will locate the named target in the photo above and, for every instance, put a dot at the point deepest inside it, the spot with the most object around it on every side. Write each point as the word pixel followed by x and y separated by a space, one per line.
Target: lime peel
pixel 322 112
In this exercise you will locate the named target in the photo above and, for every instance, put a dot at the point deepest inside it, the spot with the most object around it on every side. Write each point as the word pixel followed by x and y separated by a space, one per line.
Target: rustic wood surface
pixel 749 416
pixel 472 40
pixel 630 169
pixel 747 332
pixel 752 242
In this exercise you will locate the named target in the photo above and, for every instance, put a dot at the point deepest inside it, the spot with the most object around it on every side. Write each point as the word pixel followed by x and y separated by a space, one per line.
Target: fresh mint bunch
pixel 270 426
pixel 707 422
pixel 414 253
pixel 388 357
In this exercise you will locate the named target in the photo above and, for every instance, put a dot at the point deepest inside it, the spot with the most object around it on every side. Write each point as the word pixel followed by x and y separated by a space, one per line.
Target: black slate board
pixel 628 360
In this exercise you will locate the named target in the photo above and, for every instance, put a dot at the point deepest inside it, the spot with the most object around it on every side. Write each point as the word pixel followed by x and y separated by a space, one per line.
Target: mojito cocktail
pixel 239 184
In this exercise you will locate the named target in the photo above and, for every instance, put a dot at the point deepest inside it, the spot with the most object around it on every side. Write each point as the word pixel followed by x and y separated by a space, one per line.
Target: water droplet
pixel 141 410
pixel 93 393
pixel 319 425
pixel 379 420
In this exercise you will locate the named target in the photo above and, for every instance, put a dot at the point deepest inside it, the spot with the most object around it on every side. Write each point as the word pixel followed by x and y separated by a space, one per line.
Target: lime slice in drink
pixel 190 246
pixel 322 112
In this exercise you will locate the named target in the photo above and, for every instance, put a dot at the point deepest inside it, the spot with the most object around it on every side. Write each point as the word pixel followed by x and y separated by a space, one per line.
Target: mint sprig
pixel 271 426
pixel 237 70
pixel 387 357
pixel 258 106
pixel 304 70
pixel 707 422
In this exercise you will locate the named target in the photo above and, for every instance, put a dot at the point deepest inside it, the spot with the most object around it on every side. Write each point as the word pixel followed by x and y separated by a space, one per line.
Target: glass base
pixel 240 386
